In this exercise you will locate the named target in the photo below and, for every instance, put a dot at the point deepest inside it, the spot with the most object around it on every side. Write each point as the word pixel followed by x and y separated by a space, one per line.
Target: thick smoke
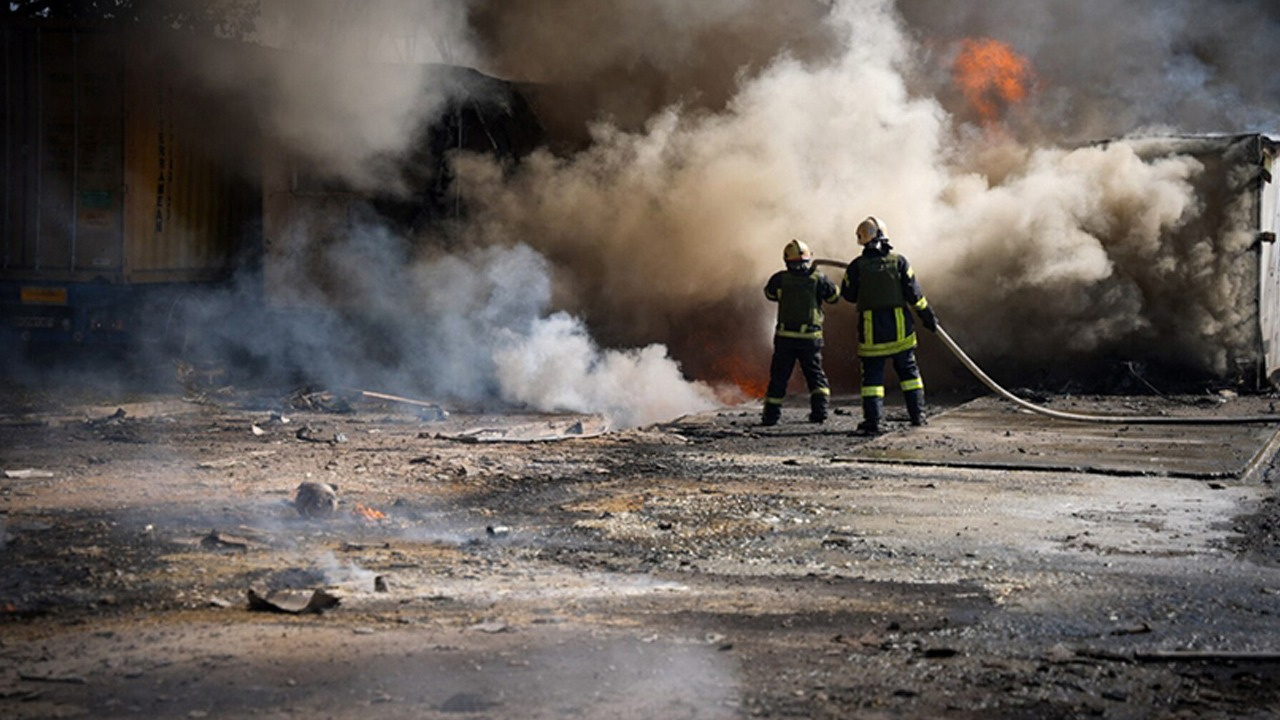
pixel 1034 251
pixel 691 141
pixel 1108 68
pixel 345 93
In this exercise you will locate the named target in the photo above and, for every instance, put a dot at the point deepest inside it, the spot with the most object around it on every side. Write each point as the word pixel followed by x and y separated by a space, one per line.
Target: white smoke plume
pixel 714 132
pixel 1032 252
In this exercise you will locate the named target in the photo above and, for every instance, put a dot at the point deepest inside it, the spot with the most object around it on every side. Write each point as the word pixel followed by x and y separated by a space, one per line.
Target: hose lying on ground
pixel 1079 417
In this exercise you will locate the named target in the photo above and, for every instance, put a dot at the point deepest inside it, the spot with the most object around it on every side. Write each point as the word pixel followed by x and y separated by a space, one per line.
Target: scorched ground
pixel 508 565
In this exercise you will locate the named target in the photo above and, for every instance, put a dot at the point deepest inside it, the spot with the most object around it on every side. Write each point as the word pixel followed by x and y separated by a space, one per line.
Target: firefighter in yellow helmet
pixel 800 291
pixel 884 287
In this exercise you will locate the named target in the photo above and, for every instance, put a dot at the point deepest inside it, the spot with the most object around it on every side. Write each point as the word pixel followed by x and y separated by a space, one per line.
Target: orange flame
pixel 751 380
pixel 991 76
pixel 369 513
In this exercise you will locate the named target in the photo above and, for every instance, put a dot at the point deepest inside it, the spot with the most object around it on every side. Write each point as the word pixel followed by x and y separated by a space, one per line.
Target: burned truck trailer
pixel 134 189
pixel 1227 250
pixel 125 186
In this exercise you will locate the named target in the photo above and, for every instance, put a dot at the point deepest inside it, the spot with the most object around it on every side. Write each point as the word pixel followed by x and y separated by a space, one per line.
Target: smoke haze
pixel 852 110
pixel 601 273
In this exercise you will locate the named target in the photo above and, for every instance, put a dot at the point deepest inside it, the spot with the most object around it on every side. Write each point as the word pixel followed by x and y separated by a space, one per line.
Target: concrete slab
pixel 992 433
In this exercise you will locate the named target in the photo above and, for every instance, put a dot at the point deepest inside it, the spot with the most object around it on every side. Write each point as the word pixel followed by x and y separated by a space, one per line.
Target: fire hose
pixel 1077 417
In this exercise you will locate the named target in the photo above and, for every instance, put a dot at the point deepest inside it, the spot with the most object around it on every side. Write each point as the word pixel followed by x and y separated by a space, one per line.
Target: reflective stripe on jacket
pixel 883 286
pixel 800 298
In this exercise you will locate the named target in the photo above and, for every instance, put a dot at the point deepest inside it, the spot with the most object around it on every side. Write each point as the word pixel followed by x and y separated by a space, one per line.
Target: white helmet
pixel 870 229
pixel 796 251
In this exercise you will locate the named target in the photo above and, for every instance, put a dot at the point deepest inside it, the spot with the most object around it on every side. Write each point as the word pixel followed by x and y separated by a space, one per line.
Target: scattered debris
pixel 427 410
pixel 316 499
pixel 320 401
pixel 307 433
pixel 536 432
pixel 112 419
pixel 222 464
pixel 294 602
pixel 311 434
pixel 217 540
pixel 27 474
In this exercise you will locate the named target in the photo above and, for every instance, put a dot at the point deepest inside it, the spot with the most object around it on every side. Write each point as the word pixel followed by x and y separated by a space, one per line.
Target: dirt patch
pixel 704 568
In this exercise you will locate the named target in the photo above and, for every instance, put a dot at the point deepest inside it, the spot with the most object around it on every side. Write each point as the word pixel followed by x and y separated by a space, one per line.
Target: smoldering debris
pixel 293 602
pixel 316 500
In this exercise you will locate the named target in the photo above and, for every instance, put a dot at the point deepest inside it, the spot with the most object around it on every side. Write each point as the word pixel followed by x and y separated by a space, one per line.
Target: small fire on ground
pixel 368 513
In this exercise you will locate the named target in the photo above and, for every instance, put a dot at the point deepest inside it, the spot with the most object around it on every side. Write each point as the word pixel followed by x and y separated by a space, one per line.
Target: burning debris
pixel 368 513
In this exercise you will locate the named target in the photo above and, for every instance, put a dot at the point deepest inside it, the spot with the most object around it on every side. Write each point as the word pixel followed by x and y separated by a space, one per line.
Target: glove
pixel 929 320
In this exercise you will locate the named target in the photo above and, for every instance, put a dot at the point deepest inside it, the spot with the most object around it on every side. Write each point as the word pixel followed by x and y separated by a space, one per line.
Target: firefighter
pixel 800 291
pixel 884 287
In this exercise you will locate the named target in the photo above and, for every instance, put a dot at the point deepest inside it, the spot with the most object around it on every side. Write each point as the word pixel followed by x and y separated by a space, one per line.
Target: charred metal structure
pixel 1239 212
pixel 128 187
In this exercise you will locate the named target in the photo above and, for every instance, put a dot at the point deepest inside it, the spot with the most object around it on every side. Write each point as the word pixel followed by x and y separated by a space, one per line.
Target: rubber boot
pixel 818 408
pixel 772 413
pixel 872 411
pixel 915 407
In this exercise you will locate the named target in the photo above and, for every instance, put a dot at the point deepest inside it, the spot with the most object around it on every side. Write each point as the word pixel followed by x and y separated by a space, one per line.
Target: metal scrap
pixel 293 602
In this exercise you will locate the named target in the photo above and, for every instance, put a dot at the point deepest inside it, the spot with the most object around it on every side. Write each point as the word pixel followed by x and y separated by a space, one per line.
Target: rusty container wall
pixel 115 165
pixel 63 155
pixel 192 202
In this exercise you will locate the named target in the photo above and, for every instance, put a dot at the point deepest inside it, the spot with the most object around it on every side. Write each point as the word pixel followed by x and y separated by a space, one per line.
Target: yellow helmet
pixel 796 251
pixel 870 229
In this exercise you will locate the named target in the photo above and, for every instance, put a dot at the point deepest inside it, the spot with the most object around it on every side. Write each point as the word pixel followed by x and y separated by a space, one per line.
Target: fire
pixel 369 513
pixel 991 76
pixel 751 379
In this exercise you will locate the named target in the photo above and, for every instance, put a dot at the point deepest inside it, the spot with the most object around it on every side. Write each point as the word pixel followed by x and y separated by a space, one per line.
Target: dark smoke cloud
pixel 1109 68
pixel 706 135
pixel 651 227
pixel 623 61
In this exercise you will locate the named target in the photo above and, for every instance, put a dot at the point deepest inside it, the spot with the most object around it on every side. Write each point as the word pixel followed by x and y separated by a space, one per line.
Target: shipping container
pixel 1229 246
pixel 120 188
pixel 131 186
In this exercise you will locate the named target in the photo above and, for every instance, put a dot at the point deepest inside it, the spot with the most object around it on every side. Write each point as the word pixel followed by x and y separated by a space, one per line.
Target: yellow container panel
pixel 190 208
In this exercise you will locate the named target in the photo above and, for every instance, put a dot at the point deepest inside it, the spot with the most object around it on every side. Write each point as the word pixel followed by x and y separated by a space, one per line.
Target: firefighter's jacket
pixel 883 285
pixel 800 296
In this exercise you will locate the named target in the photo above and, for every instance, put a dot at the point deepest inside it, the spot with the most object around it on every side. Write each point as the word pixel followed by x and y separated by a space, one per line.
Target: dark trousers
pixel 785 356
pixel 873 373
